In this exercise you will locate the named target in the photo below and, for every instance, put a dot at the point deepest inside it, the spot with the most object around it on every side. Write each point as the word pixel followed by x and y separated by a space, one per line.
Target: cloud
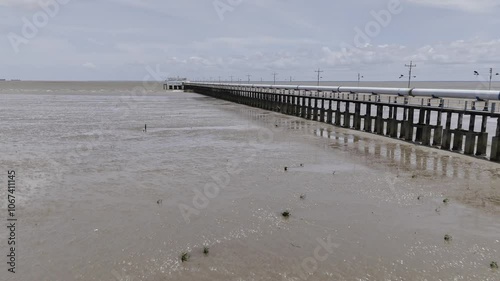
pixel 464 5
pixel 471 51
pixel 295 38
pixel 30 4
pixel 89 65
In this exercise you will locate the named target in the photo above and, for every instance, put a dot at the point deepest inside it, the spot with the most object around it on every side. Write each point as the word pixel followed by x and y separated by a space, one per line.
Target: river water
pixel 99 198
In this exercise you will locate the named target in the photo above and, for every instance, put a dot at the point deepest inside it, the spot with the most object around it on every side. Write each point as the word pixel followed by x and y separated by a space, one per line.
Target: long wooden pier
pixel 465 121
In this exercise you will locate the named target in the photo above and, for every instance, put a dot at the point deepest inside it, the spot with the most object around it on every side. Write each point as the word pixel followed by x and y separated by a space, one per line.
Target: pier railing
pixel 466 121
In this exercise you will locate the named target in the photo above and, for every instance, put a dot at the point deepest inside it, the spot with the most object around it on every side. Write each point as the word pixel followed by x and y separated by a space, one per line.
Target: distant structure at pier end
pixel 174 83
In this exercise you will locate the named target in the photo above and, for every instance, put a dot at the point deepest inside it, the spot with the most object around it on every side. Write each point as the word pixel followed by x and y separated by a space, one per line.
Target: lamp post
pixel 359 78
pixel 410 66
pixel 319 71
pixel 274 79
pixel 491 76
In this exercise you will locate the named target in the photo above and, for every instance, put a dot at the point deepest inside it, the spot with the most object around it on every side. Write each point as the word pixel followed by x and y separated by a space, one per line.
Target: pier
pixel 174 83
pixel 463 121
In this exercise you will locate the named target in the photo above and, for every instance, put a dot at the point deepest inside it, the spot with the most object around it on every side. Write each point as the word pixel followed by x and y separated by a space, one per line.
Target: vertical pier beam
pixel 495 144
pixel 394 122
pixel 390 120
pixel 409 125
pixel 289 102
pixel 368 118
pixel 294 104
pixel 420 126
pixel 404 122
pixel 347 115
pixel 458 137
pixel 329 112
pixel 284 104
pixel 296 101
pixel 337 114
pixel 357 116
pixel 379 122
pixel 482 140
pixel 446 144
pixel 322 111
pixel 427 129
pixel 302 107
pixel 438 130
pixel 315 110
pixel 470 136
pixel 309 108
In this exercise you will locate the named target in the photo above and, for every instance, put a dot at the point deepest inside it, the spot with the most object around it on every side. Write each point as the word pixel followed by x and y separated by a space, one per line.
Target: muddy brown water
pixel 90 180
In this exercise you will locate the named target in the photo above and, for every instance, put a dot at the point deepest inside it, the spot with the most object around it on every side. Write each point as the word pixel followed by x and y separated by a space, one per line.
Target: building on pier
pixel 175 83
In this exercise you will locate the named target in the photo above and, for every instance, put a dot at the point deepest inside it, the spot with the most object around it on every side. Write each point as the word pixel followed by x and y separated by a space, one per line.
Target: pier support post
pixel 438 131
pixel 420 126
pixel 329 112
pixel 284 106
pixel 357 116
pixel 337 114
pixel 427 129
pixel 394 122
pixel 309 108
pixel 303 107
pixel 495 144
pixel 347 116
pixel 322 111
pixel 458 137
pixel 470 137
pixel 404 123
pixel 409 125
pixel 389 120
pixel 482 139
pixel 295 101
pixel 446 144
pixel 379 122
pixel 368 118
pixel 315 110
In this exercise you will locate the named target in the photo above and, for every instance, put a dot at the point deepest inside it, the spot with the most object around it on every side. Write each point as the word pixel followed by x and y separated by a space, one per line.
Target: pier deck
pixel 469 124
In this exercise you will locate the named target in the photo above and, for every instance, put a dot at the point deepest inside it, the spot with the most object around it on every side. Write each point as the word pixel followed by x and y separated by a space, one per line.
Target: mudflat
pixel 100 199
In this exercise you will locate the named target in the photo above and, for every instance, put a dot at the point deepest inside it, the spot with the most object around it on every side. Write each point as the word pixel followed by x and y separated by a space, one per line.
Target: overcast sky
pixel 121 39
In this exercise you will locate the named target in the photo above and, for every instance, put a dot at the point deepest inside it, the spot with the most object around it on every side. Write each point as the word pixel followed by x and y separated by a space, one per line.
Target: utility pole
pixel 274 75
pixel 231 78
pixel 249 76
pixel 491 76
pixel 410 66
pixel 319 71
pixel 359 78
pixel 290 78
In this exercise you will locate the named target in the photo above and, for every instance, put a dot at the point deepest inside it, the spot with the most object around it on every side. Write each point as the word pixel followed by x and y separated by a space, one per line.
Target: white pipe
pixel 432 93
